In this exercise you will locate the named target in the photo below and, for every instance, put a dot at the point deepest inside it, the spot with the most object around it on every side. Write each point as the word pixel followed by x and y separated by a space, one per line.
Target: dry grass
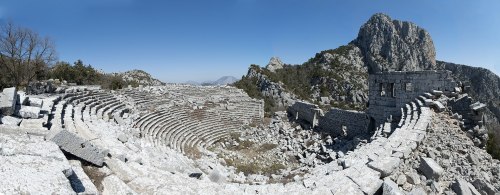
pixel 192 152
pixel 266 147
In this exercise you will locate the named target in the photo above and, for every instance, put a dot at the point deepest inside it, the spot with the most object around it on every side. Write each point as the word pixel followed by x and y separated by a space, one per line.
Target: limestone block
pixel 367 179
pixel 9 120
pixel 121 169
pixel 8 99
pixel 461 187
pixel 484 187
pixel 22 131
pixel 113 185
pixel 29 112
pixel 430 168
pixel 80 182
pixel 385 165
pixel 36 102
pixel 391 188
pixel 344 185
pixel 33 123
pixel 78 146
pixel 31 165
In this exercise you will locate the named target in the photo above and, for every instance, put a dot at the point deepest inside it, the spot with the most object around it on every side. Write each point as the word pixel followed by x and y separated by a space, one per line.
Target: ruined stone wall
pixel 303 111
pixel 390 91
pixel 336 121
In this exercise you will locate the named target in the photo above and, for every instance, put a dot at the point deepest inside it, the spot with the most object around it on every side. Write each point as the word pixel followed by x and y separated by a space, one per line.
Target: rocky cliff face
pixel 340 75
pixel 484 86
pixel 388 44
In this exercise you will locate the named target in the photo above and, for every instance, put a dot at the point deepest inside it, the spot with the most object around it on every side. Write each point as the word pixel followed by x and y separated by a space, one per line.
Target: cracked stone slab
pixel 385 165
pixel 31 165
pixel 430 168
pixel 78 146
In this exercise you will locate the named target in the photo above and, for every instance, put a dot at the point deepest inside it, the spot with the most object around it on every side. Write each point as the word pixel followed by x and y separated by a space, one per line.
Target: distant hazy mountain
pixel 192 83
pixel 225 80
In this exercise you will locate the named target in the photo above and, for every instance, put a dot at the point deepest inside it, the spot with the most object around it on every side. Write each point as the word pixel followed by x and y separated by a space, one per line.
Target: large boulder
pixel 393 45
pixel 8 100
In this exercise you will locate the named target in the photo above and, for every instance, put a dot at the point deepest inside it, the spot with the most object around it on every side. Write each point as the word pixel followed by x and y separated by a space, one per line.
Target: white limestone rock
pixel 31 165
pixel 391 188
pixel 8 100
pixel 385 165
pixel 33 123
pixel 29 112
pixel 36 102
pixel 430 168
pixel 78 146
pixel 113 185
pixel 274 64
pixel 79 180
pixel 9 120
pixel 393 45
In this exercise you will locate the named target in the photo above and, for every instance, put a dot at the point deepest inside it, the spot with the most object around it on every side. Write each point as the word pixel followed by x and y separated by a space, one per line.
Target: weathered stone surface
pixel 78 146
pixel 274 64
pixel 344 185
pixel 8 99
pixel 395 45
pixel 30 165
pixel 367 179
pixel 113 185
pixel 123 138
pixel 33 123
pixel 461 187
pixel 29 112
pixel 484 187
pixel 80 182
pixel 36 102
pixel 9 120
pixel 385 165
pixel 121 169
pixel 16 130
pixel 390 188
pixel 430 168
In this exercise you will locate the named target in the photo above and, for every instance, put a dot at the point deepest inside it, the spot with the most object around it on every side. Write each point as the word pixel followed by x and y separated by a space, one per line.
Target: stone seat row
pixel 174 127
pixel 364 167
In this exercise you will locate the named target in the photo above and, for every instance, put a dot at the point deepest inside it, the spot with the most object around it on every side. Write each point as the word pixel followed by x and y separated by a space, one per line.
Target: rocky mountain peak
pixel 395 45
pixel 274 64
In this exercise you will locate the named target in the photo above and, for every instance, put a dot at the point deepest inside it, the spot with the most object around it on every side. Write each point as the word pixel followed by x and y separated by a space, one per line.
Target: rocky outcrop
pixel 389 44
pixel 273 90
pixel 139 77
pixel 480 83
pixel 274 64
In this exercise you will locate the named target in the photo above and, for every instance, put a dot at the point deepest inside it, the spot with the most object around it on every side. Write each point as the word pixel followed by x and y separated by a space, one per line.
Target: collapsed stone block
pixel 390 188
pixel 462 187
pixel 78 146
pixel 113 185
pixel 8 100
pixel 29 112
pixel 36 102
pixel 430 168
pixel 9 120
pixel 385 166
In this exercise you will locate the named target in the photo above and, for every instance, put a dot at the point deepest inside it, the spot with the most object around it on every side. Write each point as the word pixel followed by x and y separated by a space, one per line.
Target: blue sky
pixel 180 40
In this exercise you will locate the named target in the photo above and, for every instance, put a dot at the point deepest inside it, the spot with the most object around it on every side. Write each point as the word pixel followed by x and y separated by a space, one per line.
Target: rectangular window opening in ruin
pixel 392 89
pixel 381 89
pixel 408 87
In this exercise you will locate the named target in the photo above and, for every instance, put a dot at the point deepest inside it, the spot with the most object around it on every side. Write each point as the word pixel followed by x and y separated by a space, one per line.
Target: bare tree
pixel 23 54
